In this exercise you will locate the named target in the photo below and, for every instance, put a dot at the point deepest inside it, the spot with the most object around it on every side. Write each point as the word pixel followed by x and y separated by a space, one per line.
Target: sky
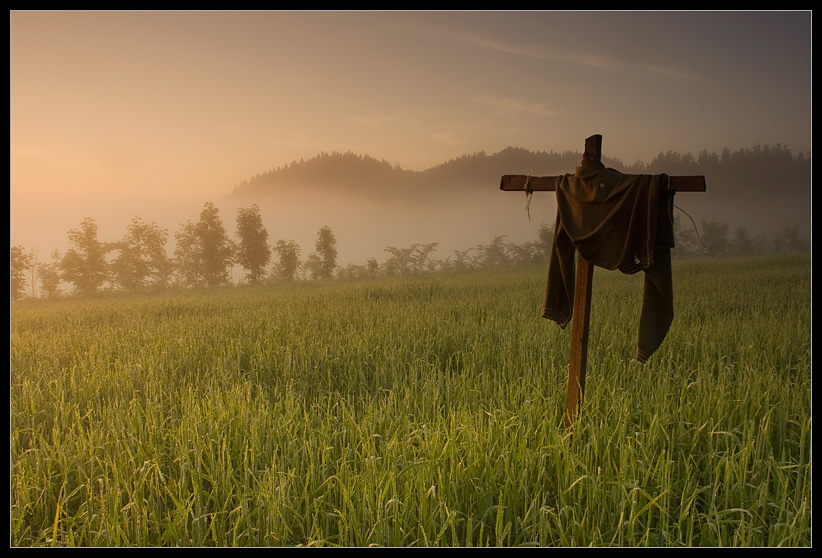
pixel 115 114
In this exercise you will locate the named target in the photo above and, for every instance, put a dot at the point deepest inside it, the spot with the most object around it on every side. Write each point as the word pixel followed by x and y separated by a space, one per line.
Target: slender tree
pixel 372 267
pixel 253 251
pixel 204 251
pixel 419 259
pixel 400 261
pixel 313 266
pixel 546 240
pixel 464 261
pixel 187 256
pixel 143 261
pixel 494 255
pixel 216 248
pixel 326 250
pixel 687 239
pixel 33 271
pixel 84 264
pixel 288 253
pixel 49 276
pixel 20 262
pixel 715 237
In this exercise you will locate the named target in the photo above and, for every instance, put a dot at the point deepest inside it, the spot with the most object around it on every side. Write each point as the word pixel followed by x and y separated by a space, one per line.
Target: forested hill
pixel 767 181
pixel 364 175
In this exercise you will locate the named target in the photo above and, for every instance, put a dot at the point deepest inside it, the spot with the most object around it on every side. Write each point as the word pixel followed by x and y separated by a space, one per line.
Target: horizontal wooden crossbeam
pixel 517 182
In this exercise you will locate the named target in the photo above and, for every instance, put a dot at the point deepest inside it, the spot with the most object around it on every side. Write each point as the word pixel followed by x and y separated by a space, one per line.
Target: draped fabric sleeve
pixel 615 221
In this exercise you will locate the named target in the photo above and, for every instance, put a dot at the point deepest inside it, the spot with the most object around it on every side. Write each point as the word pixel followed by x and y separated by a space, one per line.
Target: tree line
pixel 205 255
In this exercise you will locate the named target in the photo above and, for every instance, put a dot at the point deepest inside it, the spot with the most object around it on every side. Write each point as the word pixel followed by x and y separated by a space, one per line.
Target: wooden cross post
pixel 584 271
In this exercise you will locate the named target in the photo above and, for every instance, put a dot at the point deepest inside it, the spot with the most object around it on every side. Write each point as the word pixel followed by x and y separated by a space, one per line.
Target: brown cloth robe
pixel 615 221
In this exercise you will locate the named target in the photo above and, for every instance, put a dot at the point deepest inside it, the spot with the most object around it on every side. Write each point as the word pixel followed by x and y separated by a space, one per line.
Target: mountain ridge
pixel 350 168
pixel 746 186
pixel 378 179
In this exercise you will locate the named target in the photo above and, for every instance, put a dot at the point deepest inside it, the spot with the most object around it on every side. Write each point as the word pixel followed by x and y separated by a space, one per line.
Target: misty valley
pixel 431 221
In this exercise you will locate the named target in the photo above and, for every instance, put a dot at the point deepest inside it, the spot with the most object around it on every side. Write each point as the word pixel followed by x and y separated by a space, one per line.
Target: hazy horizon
pixel 116 114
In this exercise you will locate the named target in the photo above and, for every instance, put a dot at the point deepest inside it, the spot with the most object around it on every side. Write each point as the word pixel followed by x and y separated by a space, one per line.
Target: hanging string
pixel 528 194
pixel 694 224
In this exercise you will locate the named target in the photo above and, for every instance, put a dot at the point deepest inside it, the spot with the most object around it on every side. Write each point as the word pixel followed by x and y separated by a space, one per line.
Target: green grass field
pixel 420 411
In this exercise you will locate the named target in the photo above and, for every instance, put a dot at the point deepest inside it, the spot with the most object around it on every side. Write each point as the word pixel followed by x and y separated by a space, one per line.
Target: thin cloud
pixel 669 72
pixel 448 138
pixel 508 106
pixel 407 118
pixel 375 119
pixel 548 53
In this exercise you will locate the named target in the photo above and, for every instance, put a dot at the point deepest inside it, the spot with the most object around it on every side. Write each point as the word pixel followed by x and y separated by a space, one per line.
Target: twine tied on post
pixel 528 194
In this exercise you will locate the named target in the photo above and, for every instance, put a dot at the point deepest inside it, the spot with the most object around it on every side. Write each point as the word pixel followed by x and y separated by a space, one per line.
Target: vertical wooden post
pixel 582 311
pixel 579 339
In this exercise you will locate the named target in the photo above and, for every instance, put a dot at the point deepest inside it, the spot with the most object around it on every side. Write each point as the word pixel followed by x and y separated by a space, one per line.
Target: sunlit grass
pixel 415 411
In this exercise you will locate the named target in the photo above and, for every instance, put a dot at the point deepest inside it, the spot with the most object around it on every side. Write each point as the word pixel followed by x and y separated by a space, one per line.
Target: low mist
pixel 457 205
